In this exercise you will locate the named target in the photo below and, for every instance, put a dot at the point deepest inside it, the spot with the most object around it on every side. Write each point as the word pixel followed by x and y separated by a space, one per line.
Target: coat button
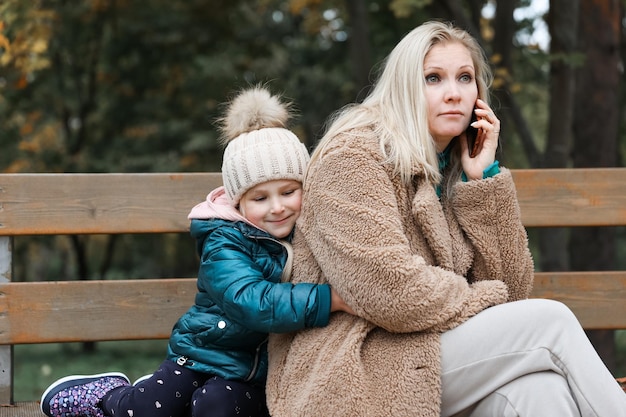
pixel 221 324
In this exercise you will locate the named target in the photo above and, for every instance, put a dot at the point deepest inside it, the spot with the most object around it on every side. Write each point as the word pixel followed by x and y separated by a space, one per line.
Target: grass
pixel 37 366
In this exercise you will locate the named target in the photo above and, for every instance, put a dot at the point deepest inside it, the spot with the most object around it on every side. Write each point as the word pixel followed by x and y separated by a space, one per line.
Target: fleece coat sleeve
pixel 498 237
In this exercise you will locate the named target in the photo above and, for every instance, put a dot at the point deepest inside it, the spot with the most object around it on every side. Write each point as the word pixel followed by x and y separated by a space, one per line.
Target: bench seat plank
pixel 21 409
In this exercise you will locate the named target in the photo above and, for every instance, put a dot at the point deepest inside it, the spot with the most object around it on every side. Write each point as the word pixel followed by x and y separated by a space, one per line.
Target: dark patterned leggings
pixel 176 391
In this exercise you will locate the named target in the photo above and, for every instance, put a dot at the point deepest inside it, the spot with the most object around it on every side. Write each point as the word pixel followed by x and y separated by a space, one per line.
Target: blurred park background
pixel 135 86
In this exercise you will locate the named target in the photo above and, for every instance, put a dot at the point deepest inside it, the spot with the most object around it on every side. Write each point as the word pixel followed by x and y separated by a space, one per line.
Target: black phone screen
pixel 471 133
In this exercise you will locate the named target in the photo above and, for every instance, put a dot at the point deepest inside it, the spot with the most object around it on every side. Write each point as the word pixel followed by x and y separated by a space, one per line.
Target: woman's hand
pixel 488 126
pixel 337 303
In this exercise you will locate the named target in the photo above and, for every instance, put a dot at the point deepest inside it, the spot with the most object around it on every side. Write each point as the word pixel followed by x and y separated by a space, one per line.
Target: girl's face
pixel 273 206
pixel 451 91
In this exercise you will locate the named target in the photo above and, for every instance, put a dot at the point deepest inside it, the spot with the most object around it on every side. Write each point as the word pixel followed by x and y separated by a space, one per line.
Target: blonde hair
pixel 396 107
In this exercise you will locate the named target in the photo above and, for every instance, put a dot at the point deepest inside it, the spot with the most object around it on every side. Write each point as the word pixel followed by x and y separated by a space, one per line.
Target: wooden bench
pixel 64 204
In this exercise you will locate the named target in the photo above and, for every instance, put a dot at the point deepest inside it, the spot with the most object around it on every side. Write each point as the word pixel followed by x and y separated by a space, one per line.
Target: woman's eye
pixel 466 78
pixel 432 78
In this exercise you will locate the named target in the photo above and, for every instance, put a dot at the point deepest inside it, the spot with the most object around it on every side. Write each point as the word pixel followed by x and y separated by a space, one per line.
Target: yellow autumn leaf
pixel 4 43
pixel 496 59
pixel 498 83
pixel 39 46
pixel 29 146
pixel 20 165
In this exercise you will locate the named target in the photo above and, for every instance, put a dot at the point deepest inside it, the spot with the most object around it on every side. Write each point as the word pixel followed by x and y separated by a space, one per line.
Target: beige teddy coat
pixel 399 257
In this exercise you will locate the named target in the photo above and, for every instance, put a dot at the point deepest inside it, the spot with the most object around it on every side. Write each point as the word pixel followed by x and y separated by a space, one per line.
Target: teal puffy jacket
pixel 240 300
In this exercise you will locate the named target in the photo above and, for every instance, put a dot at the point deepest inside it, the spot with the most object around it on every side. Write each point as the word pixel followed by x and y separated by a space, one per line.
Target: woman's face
pixel 451 91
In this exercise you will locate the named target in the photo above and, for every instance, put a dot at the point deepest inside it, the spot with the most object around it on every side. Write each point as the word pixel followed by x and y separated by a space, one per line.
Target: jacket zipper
pixel 257 359
pixel 252 236
pixel 257 355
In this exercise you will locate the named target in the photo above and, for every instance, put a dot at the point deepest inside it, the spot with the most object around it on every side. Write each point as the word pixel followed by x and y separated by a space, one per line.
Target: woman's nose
pixel 452 92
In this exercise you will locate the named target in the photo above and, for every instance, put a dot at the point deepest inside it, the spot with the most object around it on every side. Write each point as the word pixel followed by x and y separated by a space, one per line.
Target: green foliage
pixel 404 8
pixel 38 366
pixel 118 87
pixel 98 86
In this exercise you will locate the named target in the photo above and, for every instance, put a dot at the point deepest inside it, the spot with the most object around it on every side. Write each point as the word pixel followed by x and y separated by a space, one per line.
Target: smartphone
pixel 471 133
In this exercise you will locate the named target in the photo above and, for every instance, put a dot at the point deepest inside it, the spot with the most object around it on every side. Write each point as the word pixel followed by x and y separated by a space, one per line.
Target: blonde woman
pixel 420 233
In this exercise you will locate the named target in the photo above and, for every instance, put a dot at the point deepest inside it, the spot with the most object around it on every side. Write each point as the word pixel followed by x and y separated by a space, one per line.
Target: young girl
pixel 216 362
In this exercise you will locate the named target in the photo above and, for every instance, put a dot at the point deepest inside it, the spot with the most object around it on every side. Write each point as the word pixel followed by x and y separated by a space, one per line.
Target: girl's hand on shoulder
pixel 488 126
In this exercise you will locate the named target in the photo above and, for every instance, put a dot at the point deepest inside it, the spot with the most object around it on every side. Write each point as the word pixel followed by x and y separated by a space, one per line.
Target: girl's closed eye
pixel 259 197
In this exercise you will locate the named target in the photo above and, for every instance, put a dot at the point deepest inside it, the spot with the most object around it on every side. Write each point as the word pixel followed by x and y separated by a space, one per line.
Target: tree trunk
pixel 596 124
pixel 503 39
pixel 360 55
pixel 563 24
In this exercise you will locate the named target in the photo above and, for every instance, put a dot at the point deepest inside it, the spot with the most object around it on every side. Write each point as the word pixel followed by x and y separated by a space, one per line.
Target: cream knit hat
pixel 258 146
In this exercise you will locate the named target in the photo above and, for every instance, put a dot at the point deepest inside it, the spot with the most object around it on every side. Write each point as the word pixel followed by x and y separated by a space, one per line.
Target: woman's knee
pixel 552 311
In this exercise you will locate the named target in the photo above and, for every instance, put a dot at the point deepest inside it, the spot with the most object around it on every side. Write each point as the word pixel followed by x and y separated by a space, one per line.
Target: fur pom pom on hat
pixel 259 148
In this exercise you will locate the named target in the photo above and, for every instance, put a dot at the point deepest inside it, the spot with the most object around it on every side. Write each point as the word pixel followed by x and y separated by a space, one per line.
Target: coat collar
pixel 430 218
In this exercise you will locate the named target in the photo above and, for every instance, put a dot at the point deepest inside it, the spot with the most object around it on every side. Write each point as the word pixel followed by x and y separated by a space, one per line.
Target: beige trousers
pixel 528 358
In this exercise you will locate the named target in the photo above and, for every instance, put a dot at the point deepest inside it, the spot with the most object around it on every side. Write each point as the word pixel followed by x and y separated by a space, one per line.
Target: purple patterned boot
pixel 80 395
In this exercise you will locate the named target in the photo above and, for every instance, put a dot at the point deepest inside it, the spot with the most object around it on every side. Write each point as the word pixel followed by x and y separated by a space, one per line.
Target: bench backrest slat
pixel 48 204
pixel 572 197
pixel 33 204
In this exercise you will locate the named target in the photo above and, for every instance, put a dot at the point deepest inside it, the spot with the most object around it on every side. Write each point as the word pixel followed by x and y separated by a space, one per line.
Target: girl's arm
pixel 236 284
